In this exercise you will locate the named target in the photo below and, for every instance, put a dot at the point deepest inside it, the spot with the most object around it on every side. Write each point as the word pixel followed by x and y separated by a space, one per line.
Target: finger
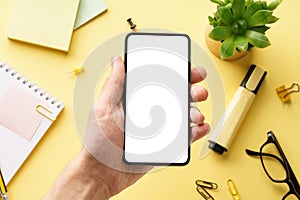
pixel 196 116
pixel 198 93
pixel 113 87
pixel 198 74
pixel 199 131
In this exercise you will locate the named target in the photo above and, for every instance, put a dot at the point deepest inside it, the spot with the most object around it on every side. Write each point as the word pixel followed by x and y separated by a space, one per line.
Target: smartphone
pixel 157 99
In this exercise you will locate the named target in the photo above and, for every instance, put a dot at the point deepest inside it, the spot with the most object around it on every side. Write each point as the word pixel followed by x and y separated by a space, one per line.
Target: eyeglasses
pixel 276 165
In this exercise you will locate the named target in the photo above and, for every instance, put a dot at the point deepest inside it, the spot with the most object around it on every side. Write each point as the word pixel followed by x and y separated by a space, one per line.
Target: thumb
pixel 113 87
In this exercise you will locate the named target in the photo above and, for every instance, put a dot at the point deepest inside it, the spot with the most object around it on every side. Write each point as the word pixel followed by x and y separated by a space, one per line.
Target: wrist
pixel 80 181
pixel 88 173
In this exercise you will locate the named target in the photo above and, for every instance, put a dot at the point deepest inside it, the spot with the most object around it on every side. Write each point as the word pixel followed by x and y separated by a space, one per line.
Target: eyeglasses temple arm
pixel 255 153
pixel 252 153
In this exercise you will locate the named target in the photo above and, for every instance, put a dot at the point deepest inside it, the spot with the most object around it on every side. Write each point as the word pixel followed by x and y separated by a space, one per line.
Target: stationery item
pixel 285 93
pixel 233 190
pixel 201 185
pixel 47 23
pixel 132 25
pixel 89 9
pixel 3 189
pixel 227 128
pixel 207 184
pixel 76 71
pixel 204 193
pixel 26 113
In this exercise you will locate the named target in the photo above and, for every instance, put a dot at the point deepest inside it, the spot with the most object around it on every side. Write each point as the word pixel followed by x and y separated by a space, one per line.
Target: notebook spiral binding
pixel 25 81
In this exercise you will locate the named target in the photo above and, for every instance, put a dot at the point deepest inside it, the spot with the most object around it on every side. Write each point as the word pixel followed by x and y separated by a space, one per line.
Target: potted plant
pixel 239 25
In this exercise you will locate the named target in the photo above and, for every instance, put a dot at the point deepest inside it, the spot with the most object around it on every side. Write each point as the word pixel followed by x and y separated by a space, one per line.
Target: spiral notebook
pixel 26 113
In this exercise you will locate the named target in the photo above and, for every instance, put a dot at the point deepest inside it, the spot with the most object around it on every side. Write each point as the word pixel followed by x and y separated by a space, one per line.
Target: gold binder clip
pixel 285 93
pixel 76 71
pixel 233 190
pixel 39 109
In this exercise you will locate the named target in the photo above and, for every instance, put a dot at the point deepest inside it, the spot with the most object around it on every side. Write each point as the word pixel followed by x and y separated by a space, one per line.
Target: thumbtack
pixel 76 71
pixel 285 93
pixel 132 25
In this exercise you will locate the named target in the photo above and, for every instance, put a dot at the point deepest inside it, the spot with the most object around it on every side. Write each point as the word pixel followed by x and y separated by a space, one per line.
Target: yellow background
pixel 48 68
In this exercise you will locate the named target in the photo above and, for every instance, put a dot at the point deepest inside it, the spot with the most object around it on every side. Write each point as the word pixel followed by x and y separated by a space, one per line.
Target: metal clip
pixel 207 184
pixel 40 108
pixel 204 193
pixel 285 93
pixel 201 185
pixel 233 190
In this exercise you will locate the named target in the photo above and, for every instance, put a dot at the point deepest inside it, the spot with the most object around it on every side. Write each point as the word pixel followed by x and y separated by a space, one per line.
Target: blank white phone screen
pixel 157 124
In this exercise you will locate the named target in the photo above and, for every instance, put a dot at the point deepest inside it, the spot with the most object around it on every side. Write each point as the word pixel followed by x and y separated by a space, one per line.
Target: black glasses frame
pixel 290 179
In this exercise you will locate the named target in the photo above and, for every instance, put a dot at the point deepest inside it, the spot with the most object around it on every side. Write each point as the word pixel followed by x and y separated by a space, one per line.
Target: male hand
pixel 99 165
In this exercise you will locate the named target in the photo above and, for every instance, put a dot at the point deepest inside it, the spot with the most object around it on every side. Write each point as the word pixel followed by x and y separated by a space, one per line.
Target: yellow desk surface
pixel 48 68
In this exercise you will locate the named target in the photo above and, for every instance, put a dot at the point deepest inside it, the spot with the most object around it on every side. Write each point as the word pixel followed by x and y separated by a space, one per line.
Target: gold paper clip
pixel 76 71
pixel 285 93
pixel 204 193
pixel 201 185
pixel 39 109
pixel 207 184
pixel 233 190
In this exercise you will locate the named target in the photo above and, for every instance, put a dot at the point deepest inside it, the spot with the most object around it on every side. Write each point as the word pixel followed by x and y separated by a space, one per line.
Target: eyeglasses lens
pixel 274 165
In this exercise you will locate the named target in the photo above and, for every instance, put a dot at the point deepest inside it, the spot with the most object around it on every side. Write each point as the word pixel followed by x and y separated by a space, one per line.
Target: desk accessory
pixel 233 190
pixel 89 9
pixel 3 189
pixel 204 193
pixel 132 25
pixel 76 71
pixel 46 23
pixel 228 126
pixel 207 184
pixel 26 114
pixel 285 93
pixel 201 185
pixel 276 165
pixel 239 25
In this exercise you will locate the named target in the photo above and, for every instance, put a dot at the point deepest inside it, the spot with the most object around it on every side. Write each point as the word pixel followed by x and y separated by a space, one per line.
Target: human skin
pixel 86 176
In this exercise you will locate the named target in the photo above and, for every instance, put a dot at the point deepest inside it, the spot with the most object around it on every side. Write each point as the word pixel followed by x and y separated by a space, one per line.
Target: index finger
pixel 198 74
pixel 113 87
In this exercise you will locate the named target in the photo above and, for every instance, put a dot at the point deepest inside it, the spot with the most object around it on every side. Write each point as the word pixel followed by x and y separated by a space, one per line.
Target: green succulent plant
pixel 241 24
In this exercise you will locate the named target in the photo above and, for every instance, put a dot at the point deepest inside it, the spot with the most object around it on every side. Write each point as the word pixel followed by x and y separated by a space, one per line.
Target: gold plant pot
pixel 214 47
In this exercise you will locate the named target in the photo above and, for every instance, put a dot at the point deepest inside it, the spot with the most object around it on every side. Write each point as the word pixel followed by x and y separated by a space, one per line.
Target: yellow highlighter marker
pixel 226 130
pixel 3 188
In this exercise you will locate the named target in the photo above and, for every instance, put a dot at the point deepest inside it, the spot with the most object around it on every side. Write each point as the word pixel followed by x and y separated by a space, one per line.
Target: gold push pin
pixel 76 71
pixel 285 93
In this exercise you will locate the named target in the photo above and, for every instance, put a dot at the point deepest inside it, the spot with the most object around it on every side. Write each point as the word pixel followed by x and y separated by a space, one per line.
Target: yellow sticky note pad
pixel 44 22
